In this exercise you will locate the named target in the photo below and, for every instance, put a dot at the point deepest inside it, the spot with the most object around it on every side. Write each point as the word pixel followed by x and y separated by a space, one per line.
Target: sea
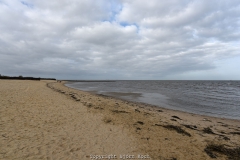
pixel 211 98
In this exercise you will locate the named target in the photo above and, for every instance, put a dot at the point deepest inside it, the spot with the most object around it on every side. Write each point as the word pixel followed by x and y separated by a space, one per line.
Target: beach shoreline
pixel 139 128
pixel 211 98
pixel 147 105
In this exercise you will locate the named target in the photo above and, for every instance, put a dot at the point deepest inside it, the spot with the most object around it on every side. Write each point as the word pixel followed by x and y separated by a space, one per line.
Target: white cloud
pixel 90 39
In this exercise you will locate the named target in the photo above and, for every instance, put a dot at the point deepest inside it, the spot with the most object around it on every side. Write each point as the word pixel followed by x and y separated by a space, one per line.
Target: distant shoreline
pixel 88 80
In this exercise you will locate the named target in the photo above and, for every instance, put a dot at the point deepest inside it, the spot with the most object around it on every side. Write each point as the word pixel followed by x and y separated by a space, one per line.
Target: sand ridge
pixel 47 120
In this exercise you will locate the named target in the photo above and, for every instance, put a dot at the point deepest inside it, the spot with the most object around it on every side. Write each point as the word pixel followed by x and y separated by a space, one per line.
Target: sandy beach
pixel 47 120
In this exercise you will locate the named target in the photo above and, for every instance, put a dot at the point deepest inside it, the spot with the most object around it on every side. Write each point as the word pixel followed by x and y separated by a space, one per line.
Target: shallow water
pixel 213 98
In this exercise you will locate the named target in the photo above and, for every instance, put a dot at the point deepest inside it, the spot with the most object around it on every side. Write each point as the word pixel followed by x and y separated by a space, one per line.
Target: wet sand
pixel 47 120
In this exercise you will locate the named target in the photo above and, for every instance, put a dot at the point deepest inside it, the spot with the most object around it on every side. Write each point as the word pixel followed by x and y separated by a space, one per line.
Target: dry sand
pixel 47 120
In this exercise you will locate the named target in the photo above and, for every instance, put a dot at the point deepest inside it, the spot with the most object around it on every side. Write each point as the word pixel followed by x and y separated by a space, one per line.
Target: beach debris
pixel 235 133
pixel 225 125
pixel 107 120
pixel 145 113
pixel 147 138
pixel 140 122
pixel 205 119
pixel 4 135
pixel 209 153
pixel 118 111
pixel 178 129
pixel 208 130
pixel 89 105
pixel 98 107
pixel 190 126
pixel 73 96
pixel 176 117
pixel 136 110
pixel 173 119
pixel 231 153
pixel 226 138
pixel 159 110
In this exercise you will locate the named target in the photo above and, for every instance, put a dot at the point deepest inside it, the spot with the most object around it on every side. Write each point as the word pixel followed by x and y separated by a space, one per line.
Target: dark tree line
pixel 20 77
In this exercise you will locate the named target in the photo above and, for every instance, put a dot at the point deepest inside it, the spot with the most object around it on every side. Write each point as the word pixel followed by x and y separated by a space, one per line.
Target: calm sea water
pixel 213 98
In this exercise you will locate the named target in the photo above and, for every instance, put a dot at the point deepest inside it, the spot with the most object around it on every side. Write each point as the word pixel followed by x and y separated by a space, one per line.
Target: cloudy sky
pixel 121 39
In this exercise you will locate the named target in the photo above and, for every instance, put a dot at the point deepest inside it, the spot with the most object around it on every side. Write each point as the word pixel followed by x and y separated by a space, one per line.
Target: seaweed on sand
pixel 176 117
pixel 190 126
pixel 118 111
pixel 235 133
pixel 208 130
pixel 140 122
pixel 178 129
pixel 231 153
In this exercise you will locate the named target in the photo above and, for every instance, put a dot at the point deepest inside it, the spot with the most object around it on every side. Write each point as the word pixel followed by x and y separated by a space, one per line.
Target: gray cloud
pixel 118 39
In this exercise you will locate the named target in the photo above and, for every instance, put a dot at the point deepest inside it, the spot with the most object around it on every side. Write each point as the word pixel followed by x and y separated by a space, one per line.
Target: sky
pixel 121 39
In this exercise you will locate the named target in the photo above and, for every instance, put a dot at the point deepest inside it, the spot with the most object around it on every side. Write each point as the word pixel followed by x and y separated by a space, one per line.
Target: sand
pixel 47 120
